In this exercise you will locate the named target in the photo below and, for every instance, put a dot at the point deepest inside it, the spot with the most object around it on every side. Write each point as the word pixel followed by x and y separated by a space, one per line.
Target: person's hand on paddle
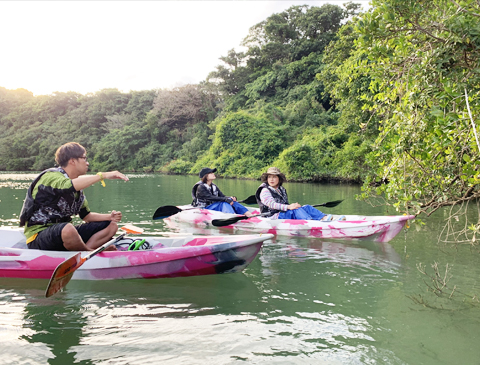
pixel 115 216
pixel 293 206
pixel 111 175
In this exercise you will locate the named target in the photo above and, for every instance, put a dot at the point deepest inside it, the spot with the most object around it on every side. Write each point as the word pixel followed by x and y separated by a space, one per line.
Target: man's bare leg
pixel 102 236
pixel 72 240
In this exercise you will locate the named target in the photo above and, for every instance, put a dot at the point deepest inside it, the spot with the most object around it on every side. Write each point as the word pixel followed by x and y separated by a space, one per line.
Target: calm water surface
pixel 301 301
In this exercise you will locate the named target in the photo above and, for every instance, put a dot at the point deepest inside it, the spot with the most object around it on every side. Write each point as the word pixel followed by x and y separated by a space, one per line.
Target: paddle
pixel 64 272
pixel 228 221
pixel 250 200
pixel 328 204
pixel 169 210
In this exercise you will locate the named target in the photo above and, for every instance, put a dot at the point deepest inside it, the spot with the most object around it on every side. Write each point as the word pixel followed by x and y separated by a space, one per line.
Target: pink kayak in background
pixel 377 228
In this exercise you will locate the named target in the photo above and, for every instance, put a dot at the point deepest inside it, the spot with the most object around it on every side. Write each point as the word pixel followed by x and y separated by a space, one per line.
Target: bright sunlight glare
pixel 129 45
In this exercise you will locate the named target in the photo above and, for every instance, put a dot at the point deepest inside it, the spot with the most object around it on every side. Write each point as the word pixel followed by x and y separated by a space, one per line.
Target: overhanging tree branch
pixel 462 9
pixel 471 119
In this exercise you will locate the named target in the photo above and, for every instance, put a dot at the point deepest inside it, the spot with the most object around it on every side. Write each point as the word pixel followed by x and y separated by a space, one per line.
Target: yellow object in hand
pixel 101 178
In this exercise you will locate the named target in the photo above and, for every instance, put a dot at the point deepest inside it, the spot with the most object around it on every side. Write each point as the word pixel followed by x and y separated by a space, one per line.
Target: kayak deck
pixel 378 228
pixel 166 257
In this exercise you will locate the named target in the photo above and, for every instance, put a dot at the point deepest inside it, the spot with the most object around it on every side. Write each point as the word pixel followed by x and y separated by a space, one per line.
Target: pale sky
pixel 86 46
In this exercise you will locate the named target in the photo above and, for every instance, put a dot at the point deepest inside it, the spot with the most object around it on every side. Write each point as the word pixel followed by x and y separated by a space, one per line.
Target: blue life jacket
pixel 280 197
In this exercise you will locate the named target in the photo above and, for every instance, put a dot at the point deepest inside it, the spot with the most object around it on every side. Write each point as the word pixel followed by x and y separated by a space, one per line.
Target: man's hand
pixel 115 216
pixel 114 175
pixel 84 181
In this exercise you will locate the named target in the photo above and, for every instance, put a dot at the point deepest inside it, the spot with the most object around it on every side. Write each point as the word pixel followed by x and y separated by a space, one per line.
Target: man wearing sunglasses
pixel 56 195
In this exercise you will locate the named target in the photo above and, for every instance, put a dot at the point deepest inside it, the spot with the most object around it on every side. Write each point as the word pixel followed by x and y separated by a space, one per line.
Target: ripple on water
pixel 301 301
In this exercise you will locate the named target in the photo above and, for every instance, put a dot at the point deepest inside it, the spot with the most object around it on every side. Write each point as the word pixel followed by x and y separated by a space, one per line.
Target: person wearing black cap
pixel 207 195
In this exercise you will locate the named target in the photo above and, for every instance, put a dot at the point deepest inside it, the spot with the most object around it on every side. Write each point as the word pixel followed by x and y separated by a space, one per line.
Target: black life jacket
pixel 201 203
pixel 43 209
pixel 279 196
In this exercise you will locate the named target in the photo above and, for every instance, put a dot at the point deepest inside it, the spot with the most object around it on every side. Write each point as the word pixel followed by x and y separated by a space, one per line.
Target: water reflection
pixel 369 254
pixel 362 252
pixel 224 317
pixel 99 321
pixel 301 301
pixel 45 330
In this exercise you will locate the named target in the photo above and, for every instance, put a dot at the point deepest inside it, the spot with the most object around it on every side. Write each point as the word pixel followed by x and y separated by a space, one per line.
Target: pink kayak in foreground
pixel 377 228
pixel 165 257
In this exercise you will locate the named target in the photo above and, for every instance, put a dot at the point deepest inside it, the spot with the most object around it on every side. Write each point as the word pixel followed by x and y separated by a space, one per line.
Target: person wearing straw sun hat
pixel 207 195
pixel 272 199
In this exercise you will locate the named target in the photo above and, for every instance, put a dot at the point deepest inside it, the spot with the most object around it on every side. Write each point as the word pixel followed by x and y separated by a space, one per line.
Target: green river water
pixel 301 301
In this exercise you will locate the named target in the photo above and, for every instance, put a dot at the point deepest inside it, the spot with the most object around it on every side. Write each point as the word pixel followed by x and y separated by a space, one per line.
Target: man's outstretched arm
pixel 85 181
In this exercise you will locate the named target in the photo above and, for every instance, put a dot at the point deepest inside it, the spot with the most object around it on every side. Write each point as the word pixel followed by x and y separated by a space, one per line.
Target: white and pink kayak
pixel 377 228
pixel 160 257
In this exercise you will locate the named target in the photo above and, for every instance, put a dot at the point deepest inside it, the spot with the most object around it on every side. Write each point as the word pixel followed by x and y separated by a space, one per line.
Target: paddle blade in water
pixel 166 211
pixel 63 273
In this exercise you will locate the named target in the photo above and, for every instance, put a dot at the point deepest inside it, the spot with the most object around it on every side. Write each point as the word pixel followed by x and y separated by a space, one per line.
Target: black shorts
pixel 51 237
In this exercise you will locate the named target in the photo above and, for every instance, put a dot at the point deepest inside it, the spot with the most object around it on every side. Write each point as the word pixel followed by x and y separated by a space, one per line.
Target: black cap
pixel 206 171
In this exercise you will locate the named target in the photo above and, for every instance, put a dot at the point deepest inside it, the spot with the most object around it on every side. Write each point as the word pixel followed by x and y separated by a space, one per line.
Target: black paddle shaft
pixel 166 211
pixel 229 221
pixel 329 204
pixel 252 200
pixel 169 210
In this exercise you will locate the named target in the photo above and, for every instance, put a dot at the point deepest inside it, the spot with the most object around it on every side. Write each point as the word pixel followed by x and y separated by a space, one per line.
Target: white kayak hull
pixel 377 228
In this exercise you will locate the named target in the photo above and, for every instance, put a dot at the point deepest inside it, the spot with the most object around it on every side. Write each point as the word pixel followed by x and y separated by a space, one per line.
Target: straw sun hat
pixel 273 171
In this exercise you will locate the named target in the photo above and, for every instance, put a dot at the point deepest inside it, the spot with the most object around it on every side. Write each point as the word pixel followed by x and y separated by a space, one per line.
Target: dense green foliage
pixel 422 58
pixel 244 142
pixel 136 131
pixel 262 106
pixel 324 93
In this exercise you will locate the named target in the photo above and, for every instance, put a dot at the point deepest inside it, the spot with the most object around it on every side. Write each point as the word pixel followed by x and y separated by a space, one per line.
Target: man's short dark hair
pixel 67 151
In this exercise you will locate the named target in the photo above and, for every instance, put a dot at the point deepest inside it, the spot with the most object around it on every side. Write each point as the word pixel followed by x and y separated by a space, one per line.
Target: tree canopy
pixel 422 58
